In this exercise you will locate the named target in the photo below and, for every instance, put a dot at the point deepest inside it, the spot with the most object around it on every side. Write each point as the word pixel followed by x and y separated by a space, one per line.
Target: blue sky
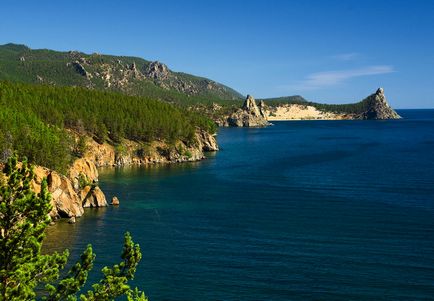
pixel 327 51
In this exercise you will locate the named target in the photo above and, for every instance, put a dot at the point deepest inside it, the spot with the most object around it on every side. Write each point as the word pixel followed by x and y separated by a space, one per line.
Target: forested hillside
pixel 35 121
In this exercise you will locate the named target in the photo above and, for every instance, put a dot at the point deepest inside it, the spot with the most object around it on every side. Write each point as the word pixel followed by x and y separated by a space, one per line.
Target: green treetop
pixel 23 219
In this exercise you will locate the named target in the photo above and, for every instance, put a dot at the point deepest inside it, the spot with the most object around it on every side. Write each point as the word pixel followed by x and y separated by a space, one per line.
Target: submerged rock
pixel 79 68
pixel 115 201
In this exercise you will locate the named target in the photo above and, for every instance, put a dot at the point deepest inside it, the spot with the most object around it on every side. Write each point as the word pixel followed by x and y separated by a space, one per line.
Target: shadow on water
pixel 61 235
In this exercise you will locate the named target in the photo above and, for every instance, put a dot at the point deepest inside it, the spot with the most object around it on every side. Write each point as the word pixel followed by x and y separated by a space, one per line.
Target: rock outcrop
pixel 64 199
pixel 206 141
pixel 248 116
pixel 263 108
pixel 70 194
pixel 92 196
pixel 79 68
pixel 114 73
pixel 378 107
pixel 135 153
pixel 83 170
pixel 157 71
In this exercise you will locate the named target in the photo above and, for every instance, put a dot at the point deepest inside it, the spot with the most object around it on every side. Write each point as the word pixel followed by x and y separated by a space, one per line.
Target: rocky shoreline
pixel 253 115
pixel 79 188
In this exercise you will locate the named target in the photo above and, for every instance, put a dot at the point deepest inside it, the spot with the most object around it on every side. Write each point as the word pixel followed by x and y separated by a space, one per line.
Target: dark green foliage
pixel 23 219
pixel 80 146
pixel 114 282
pixel 33 119
pixel 74 280
pixel 23 131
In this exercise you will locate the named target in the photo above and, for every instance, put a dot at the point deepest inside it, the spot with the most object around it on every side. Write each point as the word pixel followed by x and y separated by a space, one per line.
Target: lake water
pixel 303 210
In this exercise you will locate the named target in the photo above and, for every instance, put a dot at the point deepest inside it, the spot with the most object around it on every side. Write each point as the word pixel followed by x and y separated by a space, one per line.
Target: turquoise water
pixel 308 210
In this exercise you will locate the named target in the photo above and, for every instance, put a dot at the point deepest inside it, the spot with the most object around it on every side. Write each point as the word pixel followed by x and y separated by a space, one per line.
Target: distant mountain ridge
pixel 131 75
pixel 154 80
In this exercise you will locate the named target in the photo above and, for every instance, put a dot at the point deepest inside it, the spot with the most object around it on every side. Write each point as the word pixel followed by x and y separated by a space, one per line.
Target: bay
pixel 302 210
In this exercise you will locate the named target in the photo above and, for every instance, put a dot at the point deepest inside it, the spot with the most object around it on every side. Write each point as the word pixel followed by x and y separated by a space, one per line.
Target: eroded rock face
pixel 93 197
pixel 250 106
pixel 248 116
pixel 68 197
pixel 64 198
pixel 135 153
pixel 84 169
pixel 263 109
pixel 379 108
pixel 84 177
pixel 157 70
pixel 101 154
pixel 79 68
pixel 207 142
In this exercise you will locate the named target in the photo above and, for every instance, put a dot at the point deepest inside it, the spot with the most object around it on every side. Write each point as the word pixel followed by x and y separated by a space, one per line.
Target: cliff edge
pixel 378 107
pixel 249 115
pixel 70 194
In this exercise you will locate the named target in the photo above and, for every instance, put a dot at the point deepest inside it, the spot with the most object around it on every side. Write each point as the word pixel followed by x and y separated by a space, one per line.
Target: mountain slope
pixel 131 75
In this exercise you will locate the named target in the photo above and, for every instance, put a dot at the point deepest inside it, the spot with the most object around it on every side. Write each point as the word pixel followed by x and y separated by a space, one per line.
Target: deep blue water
pixel 303 210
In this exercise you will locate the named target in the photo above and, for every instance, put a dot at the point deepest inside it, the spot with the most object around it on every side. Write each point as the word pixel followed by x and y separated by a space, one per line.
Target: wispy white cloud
pixel 324 79
pixel 346 56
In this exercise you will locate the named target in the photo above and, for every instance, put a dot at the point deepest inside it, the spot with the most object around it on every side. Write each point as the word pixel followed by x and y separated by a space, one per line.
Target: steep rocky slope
pixel 378 107
pixel 71 193
pixel 249 115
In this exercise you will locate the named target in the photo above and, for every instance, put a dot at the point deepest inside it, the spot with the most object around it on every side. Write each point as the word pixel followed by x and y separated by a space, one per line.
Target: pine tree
pixel 23 219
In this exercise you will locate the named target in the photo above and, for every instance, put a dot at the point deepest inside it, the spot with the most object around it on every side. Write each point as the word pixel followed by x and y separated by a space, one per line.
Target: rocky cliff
pixel 136 153
pixel 73 192
pixel 250 115
pixel 79 188
pixel 377 107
